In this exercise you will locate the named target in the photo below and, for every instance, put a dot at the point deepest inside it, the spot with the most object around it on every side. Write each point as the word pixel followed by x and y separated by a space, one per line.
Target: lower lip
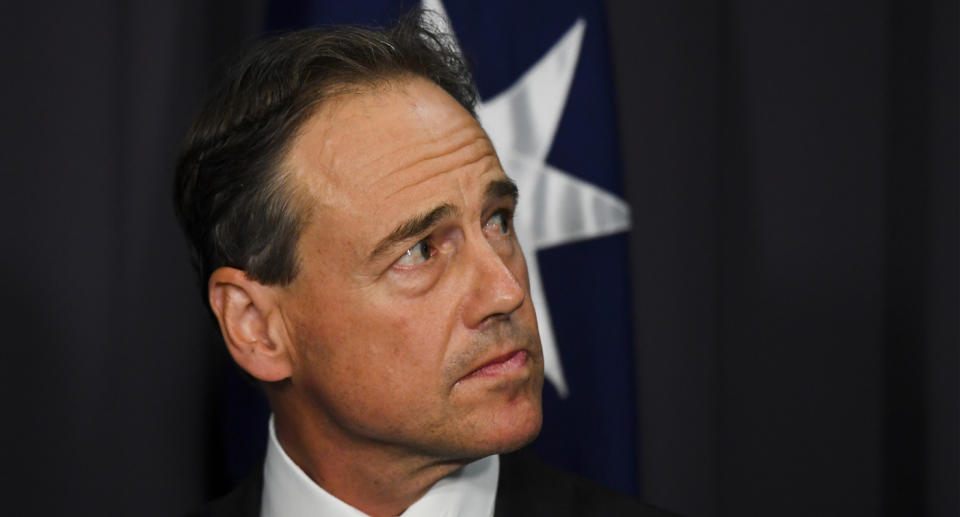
pixel 509 365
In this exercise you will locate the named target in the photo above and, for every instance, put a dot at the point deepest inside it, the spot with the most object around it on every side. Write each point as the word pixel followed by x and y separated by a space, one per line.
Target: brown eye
pixel 418 254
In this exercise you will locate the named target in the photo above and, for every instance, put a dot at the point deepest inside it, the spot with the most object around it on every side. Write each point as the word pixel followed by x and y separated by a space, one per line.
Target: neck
pixel 373 478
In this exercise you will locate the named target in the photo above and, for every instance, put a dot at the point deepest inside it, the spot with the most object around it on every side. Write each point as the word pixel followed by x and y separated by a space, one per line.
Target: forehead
pixel 376 155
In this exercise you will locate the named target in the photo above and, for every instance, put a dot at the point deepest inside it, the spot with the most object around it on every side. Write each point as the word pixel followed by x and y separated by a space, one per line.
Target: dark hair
pixel 235 207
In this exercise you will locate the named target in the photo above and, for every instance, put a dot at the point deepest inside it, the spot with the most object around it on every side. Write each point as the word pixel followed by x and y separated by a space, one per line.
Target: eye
pixel 418 254
pixel 499 223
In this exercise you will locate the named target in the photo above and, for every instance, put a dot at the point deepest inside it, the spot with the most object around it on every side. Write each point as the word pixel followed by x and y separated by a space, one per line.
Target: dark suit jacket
pixel 527 487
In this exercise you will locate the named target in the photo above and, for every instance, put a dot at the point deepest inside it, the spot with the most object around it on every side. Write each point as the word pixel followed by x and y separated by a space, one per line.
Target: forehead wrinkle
pixel 440 173
pixel 431 141
pixel 431 145
pixel 455 136
pixel 475 151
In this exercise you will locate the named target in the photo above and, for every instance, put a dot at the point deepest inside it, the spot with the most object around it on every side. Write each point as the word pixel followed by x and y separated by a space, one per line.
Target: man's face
pixel 410 315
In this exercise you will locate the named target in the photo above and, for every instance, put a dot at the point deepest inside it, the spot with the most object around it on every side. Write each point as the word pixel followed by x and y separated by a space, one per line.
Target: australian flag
pixel 543 73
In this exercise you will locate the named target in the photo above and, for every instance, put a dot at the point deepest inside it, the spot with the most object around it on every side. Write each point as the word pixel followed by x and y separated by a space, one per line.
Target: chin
pixel 511 429
pixel 520 423
pixel 520 436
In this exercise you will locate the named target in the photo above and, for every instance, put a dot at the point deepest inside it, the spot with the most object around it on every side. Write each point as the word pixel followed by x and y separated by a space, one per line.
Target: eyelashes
pixel 417 254
pixel 497 226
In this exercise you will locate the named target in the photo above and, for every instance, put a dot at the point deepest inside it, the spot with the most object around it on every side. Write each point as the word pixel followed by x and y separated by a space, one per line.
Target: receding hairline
pixel 232 192
pixel 289 179
pixel 337 97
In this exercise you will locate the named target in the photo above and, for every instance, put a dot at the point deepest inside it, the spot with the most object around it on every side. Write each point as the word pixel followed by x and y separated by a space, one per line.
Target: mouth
pixel 511 363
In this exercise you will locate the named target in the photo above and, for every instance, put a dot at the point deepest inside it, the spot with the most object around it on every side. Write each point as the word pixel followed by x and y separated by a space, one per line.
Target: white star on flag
pixel 557 208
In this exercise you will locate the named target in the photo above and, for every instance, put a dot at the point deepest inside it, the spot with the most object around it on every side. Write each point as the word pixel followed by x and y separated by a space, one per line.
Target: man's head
pixel 235 207
pixel 352 226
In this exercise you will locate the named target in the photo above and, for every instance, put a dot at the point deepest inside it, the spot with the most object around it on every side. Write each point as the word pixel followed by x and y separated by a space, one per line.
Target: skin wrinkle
pixel 327 190
pixel 413 227
pixel 431 161
pixel 427 154
pixel 471 356
pixel 333 101
pixel 337 103
pixel 421 224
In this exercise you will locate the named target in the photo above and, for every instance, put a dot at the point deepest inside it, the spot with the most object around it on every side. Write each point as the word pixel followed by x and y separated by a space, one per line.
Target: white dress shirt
pixel 289 492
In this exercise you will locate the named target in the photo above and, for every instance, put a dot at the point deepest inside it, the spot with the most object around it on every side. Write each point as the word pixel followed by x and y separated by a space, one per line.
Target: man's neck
pixel 366 475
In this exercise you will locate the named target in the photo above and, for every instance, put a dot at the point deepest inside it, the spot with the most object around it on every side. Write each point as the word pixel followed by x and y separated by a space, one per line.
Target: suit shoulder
pixel 242 501
pixel 530 487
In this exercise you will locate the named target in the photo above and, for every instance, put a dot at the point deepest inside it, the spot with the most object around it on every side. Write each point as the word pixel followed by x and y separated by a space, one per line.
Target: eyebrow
pixel 420 223
pixel 412 227
pixel 504 188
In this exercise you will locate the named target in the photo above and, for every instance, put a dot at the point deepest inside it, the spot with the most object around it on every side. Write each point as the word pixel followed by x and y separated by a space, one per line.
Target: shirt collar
pixel 288 492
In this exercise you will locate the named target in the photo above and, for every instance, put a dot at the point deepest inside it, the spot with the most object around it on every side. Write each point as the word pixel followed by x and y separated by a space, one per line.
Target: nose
pixel 495 288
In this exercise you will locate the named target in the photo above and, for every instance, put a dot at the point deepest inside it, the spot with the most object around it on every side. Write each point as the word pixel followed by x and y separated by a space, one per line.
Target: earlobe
pixel 244 309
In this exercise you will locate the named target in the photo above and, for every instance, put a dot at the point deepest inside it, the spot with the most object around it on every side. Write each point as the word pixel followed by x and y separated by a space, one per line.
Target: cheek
pixel 376 348
pixel 391 349
pixel 415 339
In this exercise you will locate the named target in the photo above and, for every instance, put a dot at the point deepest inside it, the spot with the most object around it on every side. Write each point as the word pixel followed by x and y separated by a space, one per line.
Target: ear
pixel 251 324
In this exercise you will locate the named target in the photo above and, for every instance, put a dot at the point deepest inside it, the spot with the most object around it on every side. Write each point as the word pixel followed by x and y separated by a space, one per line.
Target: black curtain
pixel 792 168
pixel 109 373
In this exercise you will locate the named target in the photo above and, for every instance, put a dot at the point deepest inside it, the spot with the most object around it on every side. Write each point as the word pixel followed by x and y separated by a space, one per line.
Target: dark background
pixel 792 168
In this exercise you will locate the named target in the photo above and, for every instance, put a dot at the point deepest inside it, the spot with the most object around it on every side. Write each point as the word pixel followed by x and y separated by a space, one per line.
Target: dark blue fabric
pixel 593 431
